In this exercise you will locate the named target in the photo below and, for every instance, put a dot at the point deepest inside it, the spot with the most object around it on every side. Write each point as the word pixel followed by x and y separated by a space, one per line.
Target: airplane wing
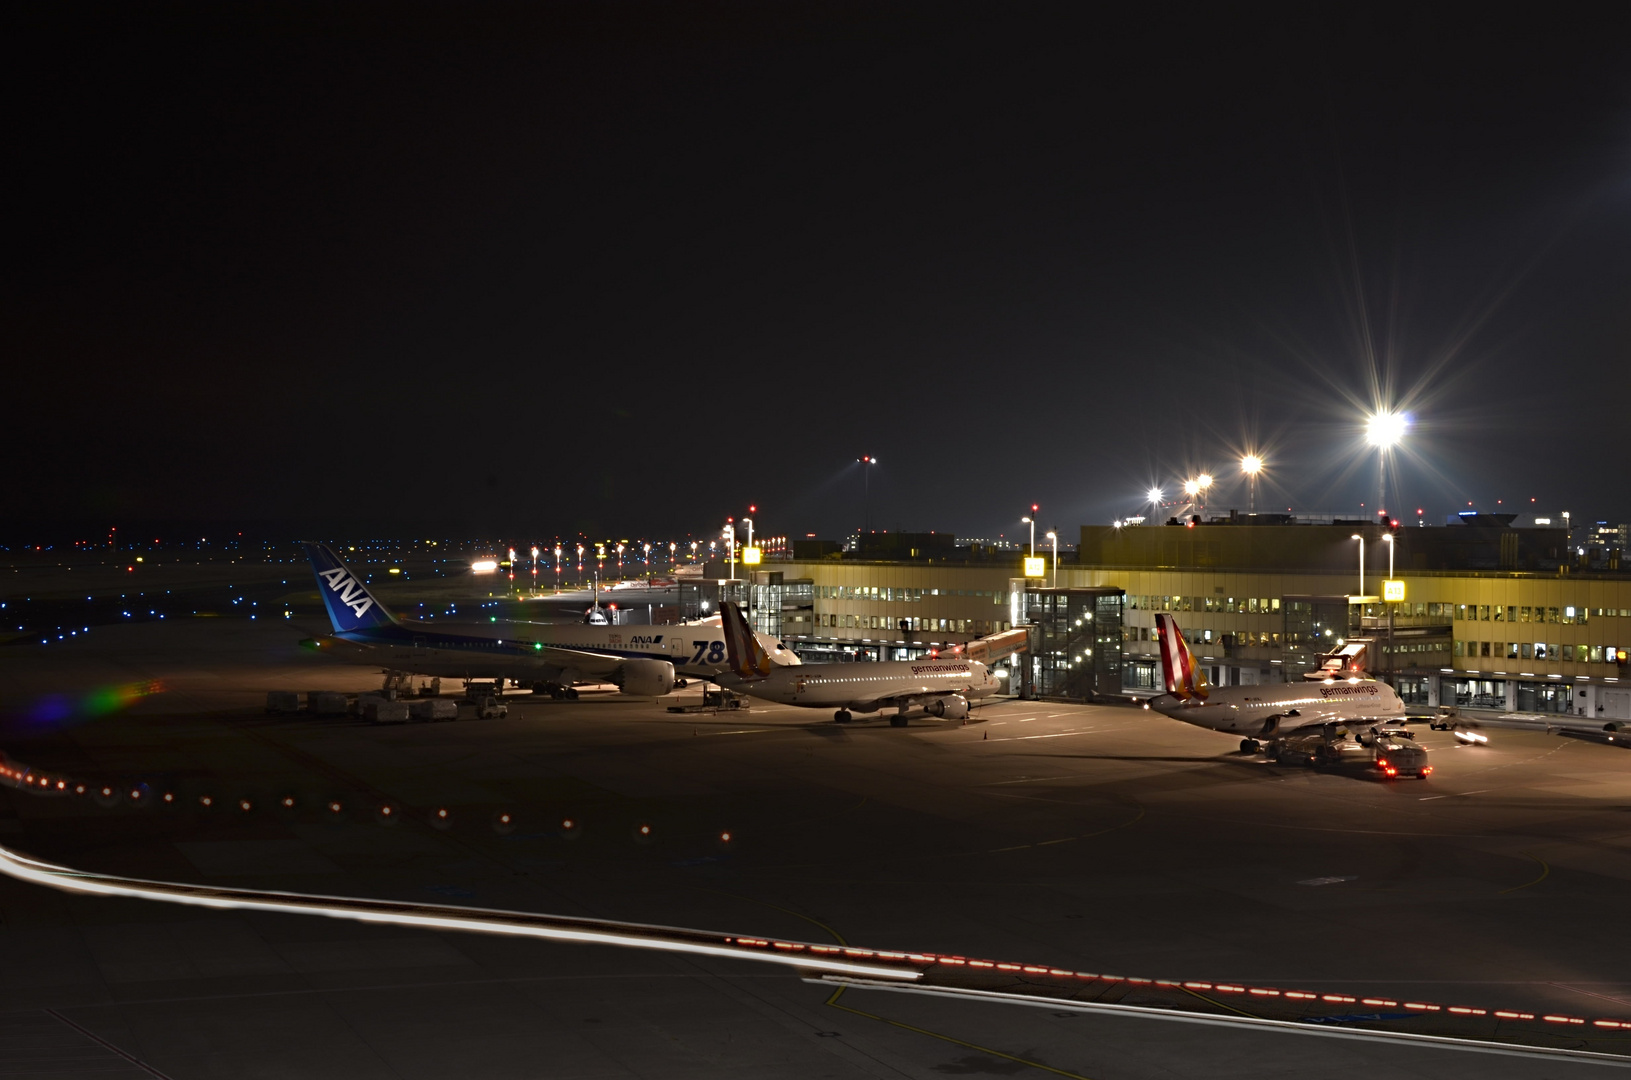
pixel 590 663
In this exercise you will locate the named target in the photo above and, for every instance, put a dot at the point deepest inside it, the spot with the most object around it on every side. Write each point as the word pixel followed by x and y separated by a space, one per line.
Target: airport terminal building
pixel 1482 614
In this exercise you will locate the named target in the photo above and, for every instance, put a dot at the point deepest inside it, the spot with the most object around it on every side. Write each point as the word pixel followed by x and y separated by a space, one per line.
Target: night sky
pixel 390 270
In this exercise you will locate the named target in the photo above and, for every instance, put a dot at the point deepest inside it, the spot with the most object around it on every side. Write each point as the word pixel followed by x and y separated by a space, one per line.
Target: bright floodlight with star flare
pixel 1251 464
pixel 1386 428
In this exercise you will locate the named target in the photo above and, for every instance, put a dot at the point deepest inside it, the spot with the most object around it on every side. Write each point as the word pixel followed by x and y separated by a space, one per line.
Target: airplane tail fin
pixel 743 653
pixel 350 605
pixel 1183 675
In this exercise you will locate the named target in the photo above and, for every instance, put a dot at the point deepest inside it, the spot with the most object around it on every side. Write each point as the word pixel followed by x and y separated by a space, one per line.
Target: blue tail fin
pixel 350 605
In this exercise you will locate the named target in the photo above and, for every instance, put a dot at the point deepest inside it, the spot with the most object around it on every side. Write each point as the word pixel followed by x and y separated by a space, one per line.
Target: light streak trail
pixel 474 920
pixel 841 964
pixel 1283 1027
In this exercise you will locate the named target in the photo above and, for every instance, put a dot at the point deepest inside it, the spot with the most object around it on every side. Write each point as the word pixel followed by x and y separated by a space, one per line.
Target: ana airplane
pixel 1270 712
pixel 942 687
pixel 550 658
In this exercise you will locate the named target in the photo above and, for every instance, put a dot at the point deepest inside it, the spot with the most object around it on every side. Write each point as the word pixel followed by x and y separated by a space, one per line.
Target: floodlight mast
pixel 1251 465
pixel 867 461
pixel 1384 430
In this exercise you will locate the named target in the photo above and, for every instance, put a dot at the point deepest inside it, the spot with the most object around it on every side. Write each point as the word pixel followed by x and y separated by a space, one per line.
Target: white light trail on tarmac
pixel 474 920
pixel 1283 1027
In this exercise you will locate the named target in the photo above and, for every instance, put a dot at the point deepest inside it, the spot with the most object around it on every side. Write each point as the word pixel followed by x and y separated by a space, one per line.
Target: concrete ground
pixel 1096 838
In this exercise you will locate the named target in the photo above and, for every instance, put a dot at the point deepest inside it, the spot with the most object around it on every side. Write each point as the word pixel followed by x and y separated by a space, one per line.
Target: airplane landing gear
pixel 842 716
pixel 1249 746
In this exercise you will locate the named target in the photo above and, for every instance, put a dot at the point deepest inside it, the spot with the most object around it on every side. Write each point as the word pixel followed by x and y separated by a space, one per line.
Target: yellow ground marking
pixel 1544 872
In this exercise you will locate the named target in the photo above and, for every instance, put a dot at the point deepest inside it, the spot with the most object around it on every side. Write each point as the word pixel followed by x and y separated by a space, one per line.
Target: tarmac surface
pixel 1097 838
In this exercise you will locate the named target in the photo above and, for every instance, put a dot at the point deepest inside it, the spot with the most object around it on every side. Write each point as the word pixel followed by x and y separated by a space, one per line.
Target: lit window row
pixel 1540 650
pixel 889 594
pixel 1511 613
pixel 1245 605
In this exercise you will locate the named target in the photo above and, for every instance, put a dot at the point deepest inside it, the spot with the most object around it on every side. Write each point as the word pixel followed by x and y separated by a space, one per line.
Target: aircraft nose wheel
pixel 841 716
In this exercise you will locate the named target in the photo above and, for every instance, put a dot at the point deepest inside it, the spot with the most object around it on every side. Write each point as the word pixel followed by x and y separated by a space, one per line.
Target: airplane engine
pixel 950 707
pixel 644 678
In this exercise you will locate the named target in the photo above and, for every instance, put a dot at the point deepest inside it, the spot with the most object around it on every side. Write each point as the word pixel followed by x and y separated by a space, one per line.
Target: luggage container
pixel 433 709
pixel 282 702
pixel 380 711
pixel 327 703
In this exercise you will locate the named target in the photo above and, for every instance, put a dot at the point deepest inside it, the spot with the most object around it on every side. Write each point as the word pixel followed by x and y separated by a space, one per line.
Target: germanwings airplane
pixel 638 659
pixel 943 687
pixel 1269 712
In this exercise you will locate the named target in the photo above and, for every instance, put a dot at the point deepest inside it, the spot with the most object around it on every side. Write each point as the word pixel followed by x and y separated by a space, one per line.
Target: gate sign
pixel 1393 591
pixel 1036 567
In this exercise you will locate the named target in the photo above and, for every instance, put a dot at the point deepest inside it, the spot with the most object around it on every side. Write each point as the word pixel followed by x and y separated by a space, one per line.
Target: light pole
pixel 749 523
pixel 1032 524
pixel 1203 484
pixel 730 539
pixel 1192 489
pixel 1383 431
pixel 580 564
pixel 1361 540
pixel 1251 465
pixel 1054 536
pixel 1387 538
pixel 535 568
pixel 557 568
pixel 867 461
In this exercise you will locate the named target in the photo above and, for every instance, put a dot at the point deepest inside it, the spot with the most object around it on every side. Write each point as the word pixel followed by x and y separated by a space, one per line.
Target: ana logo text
pixel 350 590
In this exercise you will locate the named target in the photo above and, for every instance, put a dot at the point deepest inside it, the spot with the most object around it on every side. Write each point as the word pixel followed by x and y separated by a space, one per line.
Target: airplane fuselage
pixel 488 650
pixel 1272 711
pixel 868 686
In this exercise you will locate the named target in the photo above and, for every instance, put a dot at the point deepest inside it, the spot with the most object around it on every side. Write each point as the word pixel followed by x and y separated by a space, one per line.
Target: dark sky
pixel 625 269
